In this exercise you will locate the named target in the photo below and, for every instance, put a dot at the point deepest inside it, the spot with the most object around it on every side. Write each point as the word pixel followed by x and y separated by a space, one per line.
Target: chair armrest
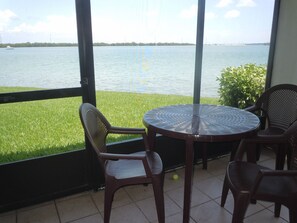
pixel 251 108
pixel 271 173
pixel 267 139
pixel 132 131
pixel 120 130
pixel 116 156
pixel 279 172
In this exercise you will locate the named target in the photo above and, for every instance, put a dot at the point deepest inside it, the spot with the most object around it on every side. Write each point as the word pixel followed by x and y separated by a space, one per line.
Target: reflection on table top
pixel 201 121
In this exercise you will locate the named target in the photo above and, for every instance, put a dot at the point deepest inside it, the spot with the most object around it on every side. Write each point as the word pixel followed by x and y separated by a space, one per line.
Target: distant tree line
pixel 28 44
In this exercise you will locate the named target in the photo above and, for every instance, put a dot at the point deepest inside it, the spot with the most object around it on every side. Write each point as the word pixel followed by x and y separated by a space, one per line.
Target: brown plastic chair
pixel 249 181
pixel 278 106
pixel 122 169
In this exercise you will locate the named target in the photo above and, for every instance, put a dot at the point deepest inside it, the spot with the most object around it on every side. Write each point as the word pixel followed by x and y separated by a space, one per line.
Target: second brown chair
pixel 122 169
pixel 249 181
pixel 278 106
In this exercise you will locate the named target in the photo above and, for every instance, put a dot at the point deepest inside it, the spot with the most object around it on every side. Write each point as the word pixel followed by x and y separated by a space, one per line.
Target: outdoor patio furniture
pixel 122 169
pixel 249 181
pixel 198 123
pixel 278 106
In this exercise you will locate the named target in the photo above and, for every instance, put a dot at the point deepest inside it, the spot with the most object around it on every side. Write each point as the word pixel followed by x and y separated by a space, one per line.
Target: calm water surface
pixel 144 69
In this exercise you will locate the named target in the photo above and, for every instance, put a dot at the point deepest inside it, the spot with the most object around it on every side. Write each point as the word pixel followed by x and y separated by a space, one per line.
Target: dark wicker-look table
pixel 198 122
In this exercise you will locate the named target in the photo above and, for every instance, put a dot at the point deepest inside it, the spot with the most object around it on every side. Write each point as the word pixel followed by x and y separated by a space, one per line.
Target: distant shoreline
pixel 5 45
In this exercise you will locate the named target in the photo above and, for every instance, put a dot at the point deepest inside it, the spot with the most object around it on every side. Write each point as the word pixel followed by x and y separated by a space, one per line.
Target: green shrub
pixel 241 86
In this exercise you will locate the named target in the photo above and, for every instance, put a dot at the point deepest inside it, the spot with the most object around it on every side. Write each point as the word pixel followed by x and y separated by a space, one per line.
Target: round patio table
pixel 202 123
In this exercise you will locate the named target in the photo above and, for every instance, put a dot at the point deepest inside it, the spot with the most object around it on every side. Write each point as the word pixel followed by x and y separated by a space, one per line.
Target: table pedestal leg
pixel 188 180
pixel 151 135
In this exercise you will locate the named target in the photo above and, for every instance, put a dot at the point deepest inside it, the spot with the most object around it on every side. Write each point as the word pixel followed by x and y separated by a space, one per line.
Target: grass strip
pixel 40 128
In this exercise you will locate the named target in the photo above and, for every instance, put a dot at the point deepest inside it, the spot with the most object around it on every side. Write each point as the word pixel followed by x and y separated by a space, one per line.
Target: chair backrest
pixel 279 103
pixel 291 134
pixel 95 125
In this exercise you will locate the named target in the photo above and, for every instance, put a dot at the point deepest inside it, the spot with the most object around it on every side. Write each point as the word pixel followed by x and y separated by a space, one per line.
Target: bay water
pixel 142 69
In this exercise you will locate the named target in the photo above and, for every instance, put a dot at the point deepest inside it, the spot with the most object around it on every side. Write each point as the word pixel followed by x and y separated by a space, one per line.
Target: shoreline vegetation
pixel 47 127
pixel 37 44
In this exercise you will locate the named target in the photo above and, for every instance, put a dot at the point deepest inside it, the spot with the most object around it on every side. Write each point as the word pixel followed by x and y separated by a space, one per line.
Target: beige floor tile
pixel 13 212
pixel 263 217
pixel 284 212
pixel 266 154
pixel 210 212
pixel 148 207
pixel 90 219
pixel 37 205
pixel 266 204
pixel 44 214
pixel 170 183
pixel 216 167
pixel 268 163
pixel 136 203
pixel 252 208
pixel 181 172
pixel 85 193
pixel 140 192
pixel 127 214
pixel 175 218
pixel 198 197
pixel 211 187
pixel 120 198
pixel 221 177
pixel 200 174
pixel 11 218
pixel 75 208
pixel 225 158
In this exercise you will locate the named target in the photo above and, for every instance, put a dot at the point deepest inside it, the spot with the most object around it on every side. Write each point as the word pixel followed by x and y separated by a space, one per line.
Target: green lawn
pixel 39 128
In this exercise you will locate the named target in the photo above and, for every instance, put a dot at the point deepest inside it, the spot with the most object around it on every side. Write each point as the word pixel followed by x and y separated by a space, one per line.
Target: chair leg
pixel 241 202
pixel 108 198
pixel 158 183
pixel 233 150
pixel 289 157
pixel 280 157
pixel 204 156
pixel 258 152
pixel 224 192
pixel 293 215
pixel 277 209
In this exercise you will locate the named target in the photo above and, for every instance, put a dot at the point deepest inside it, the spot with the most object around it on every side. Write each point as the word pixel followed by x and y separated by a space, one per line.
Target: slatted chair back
pixel 279 104
pixel 292 139
pixel 95 125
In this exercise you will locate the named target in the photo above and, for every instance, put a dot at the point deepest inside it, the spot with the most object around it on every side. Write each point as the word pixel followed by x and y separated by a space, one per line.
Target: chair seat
pixel 237 169
pixel 242 175
pixel 124 169
pixel 271 131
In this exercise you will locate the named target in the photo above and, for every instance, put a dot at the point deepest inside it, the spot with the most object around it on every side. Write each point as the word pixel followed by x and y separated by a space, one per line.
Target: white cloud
pixel 190 12
pixel 224 3
pixel 54 27
pixel 53 23
pixel 232 14
pixel 5 17
pixel 246 3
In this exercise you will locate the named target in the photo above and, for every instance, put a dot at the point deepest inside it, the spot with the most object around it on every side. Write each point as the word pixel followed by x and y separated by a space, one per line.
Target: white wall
pixel 285 60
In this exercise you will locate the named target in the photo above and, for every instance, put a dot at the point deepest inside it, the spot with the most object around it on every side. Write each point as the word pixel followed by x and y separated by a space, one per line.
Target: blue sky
pixel 227 21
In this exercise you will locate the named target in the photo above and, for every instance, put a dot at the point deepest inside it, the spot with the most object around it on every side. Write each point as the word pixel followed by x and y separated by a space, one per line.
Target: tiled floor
pixel 136 203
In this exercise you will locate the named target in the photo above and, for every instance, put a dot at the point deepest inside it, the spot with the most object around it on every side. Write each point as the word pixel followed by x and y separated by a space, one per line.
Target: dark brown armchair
pixel 122 169
pixel 278 106
pixel 249 181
